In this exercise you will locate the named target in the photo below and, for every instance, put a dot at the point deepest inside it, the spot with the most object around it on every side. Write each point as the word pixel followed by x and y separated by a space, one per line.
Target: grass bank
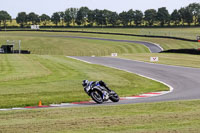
pixel 186 60
pixel 55 44
pixel 51 43
pixel 189 33
pixel 177 116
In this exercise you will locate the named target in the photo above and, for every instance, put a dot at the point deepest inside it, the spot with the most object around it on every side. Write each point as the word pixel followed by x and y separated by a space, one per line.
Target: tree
pixel 91 17
pixel 130 15
pixel 123 16
pixel 45 19
pixel 79 18
pixel 62 15
pixel 4 17
pixel 113 18
pixel 33 18
pixel 195 9
pixel 55 18
pixel 181 11
pixel 82 15
pixel 138 17
pixel 198 20
pixel 163 16
pixel 150 16
pixel 67 17
pixel 70 16
pixel 99 17
pixel 21 19
pixel 175 17
pixel 186 15
pixel 106 14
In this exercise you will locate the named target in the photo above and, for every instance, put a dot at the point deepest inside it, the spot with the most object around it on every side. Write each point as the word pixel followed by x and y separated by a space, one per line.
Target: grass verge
pixel 163 117
pixel 186 60
pixel 189 33
pixel 40 43
pixel 51 44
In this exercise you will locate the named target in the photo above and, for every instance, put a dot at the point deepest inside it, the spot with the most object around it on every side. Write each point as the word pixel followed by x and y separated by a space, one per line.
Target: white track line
pixel 155 44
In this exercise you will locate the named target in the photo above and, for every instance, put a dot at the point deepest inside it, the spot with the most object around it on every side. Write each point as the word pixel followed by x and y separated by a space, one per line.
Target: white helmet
pixel 85 83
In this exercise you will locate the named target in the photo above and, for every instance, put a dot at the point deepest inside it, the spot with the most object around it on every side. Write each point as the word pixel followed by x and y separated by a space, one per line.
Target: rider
pixel 89 84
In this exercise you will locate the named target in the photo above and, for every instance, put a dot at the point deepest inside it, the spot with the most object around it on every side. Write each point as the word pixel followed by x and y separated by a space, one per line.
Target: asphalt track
pixel 184 80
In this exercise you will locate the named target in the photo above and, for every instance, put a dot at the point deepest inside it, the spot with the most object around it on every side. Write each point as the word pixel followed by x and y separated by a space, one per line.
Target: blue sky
pixel 13 7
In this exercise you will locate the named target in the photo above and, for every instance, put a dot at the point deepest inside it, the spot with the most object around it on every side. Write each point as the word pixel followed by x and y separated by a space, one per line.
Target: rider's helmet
pixel 85 83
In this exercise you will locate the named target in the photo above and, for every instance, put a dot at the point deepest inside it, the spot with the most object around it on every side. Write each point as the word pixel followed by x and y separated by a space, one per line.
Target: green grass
pixel 189 33
pixel 26 79
pixel 40 43
pixel 37 43
pixel 163 117
pixel 169 59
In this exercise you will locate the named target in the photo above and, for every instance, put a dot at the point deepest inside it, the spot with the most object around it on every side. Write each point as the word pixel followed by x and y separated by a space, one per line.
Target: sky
pixel 13 7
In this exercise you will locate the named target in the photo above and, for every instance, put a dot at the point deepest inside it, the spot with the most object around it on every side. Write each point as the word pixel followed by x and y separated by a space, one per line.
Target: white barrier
pixel 35 27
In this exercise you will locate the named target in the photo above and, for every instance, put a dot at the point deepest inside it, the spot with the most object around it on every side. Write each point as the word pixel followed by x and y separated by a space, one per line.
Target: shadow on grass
pixel 183 51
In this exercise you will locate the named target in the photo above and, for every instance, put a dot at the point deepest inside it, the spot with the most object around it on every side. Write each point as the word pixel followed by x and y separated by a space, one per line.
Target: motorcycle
pixel 100 94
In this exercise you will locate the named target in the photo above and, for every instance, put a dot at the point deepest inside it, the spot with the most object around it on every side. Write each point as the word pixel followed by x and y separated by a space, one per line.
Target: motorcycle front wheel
pixel 114 97
pixel 96 96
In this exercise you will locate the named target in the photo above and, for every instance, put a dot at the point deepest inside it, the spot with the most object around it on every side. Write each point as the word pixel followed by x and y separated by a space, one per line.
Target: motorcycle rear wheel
pixel 97 96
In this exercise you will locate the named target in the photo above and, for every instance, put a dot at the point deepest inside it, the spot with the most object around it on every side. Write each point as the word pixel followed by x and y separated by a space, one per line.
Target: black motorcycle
pixel 100 94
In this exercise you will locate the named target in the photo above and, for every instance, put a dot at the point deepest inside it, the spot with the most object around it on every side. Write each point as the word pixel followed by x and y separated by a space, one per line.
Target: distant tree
pixel 45 19
pixel 181 11
pixel 55 18
pixel 79 18
pixel 100 18
pixel 4 17
pixel 198 20
pixel 150 16
pixel 195 9
pixel 71 14
pixel 82 15
pixel 67 17
pixel 186 15
pixel 91 17
pixel 113 18
pixel 21 19
pixel 33 18
pixel 163 16
pixel 176 17
pixel 130 15
pixel 138 17
pixel 107 15
pixel 123 16
pixel 62 15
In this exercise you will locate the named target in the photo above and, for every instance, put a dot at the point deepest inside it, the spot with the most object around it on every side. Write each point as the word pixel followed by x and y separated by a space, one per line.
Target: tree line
pixel 86 17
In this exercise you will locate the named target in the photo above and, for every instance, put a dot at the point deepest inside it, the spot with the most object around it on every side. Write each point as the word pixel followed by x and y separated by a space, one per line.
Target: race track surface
pixel 184 80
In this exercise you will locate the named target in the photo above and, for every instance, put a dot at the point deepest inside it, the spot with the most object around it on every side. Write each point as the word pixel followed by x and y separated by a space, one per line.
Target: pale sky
pixel 13 7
